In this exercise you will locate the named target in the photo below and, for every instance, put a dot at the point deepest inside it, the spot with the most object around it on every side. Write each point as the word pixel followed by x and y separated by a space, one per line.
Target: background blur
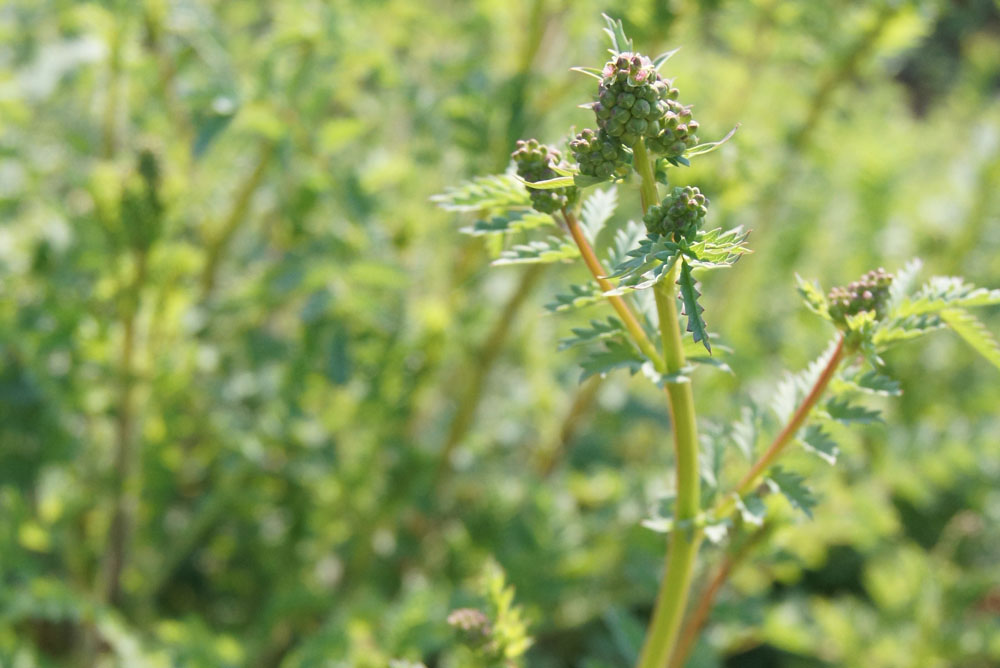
pixel 262 404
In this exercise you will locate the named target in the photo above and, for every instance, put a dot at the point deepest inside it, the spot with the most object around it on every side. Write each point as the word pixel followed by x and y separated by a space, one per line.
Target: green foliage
pixel 308 335
pixel 552 249
pixel 692 309
pixel 792 486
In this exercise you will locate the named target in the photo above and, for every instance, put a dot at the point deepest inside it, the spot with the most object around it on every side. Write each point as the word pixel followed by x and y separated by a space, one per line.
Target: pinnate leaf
pixel 820 443
pixel 692 309
pixel 552 249
pixel 974 333
pixel 792 487
pixel 616 355
pixel 499 191
pixel 843 411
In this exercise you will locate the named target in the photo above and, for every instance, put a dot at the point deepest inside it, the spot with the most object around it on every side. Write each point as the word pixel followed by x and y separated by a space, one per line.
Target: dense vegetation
pixel 261 404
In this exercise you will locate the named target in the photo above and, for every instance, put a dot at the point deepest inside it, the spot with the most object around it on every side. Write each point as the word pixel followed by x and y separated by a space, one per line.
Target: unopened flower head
pixel 634 102
pixel 868 293
pixel 599 155
pixel 534 162
pixel 679 215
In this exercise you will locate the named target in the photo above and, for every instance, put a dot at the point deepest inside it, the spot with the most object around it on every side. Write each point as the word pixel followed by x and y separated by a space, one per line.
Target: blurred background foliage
pixel 261 404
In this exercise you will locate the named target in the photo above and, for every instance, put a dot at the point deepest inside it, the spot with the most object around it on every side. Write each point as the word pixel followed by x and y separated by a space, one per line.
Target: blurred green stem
pixel 482 364
pixel 112 91
pixel 621 308
pixel 685 539
pixel 556 451
pixel 237 214
pixel 125 490
pixel 699 615
pixel 781 441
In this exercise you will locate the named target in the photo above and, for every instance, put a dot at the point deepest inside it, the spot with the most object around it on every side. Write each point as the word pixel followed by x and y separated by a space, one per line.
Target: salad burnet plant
pixel 640 132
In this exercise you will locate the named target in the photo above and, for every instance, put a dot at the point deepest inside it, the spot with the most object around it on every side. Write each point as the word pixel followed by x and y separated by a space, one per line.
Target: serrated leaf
pixel 975 334
pixel 579 296
pixel 514 220
pixel 597 211
pixel 903 283
pixel 646 265
pixel 876 383
pixel 552 249
pixel 943 292
pixel 620 43
pixel 616 355
pixel 813 296
pixel 717 249
pixel 793 387
pixel 792 487
pixel 598 331
pixel 702 149
pixel 845 412
pixel 820 444
pixel 905 329
pixel 500 191
pixel 626 239
pixel 752 509
pixel 745 431
pixel 692 309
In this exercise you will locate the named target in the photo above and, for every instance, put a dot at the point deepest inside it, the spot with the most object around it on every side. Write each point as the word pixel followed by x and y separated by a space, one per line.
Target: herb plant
pixel 649 276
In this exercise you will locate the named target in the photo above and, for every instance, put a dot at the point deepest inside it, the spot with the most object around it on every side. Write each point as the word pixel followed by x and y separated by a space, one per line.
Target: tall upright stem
pixel 125 482
pixel 685 539
pixel 631 323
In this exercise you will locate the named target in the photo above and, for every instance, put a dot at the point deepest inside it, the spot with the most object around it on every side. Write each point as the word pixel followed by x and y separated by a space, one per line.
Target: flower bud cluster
pixel 534 162
pixel 599 155
pixel 471 622
pixel 634 102
pixel 869 293
pixel 679 215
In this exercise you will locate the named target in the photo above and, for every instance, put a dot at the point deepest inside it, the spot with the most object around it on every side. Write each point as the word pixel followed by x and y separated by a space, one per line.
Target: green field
pixel 264 403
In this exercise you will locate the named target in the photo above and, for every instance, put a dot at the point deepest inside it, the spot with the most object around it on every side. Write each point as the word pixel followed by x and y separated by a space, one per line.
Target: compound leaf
pixel 820 444
pixel 843 411
pixel 792 487
pixel 692 309
pixel 552 249
pixel 616 355
pixel 974 332
pixel 597 211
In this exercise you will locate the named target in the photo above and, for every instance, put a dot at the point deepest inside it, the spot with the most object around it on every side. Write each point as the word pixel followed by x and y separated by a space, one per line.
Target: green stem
pixel 125 482
pixel 621 308
pixel 699 615
pixel 781 441
pixel 684 541
pixel 485 358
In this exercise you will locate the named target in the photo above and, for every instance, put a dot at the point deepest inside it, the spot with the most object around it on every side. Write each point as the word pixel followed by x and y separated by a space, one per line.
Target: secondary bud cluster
pixel 677 135
pixel 634 102
pixel 471 622
pixel 599 155
pixel 869 293
pixel 534 162
pixel 679 215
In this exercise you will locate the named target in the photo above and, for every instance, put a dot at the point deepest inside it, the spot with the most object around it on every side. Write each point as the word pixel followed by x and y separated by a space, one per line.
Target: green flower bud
pixel 599 154
pixel 534 162
pixel 679 215
pixel 869 293
pixel 677 133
